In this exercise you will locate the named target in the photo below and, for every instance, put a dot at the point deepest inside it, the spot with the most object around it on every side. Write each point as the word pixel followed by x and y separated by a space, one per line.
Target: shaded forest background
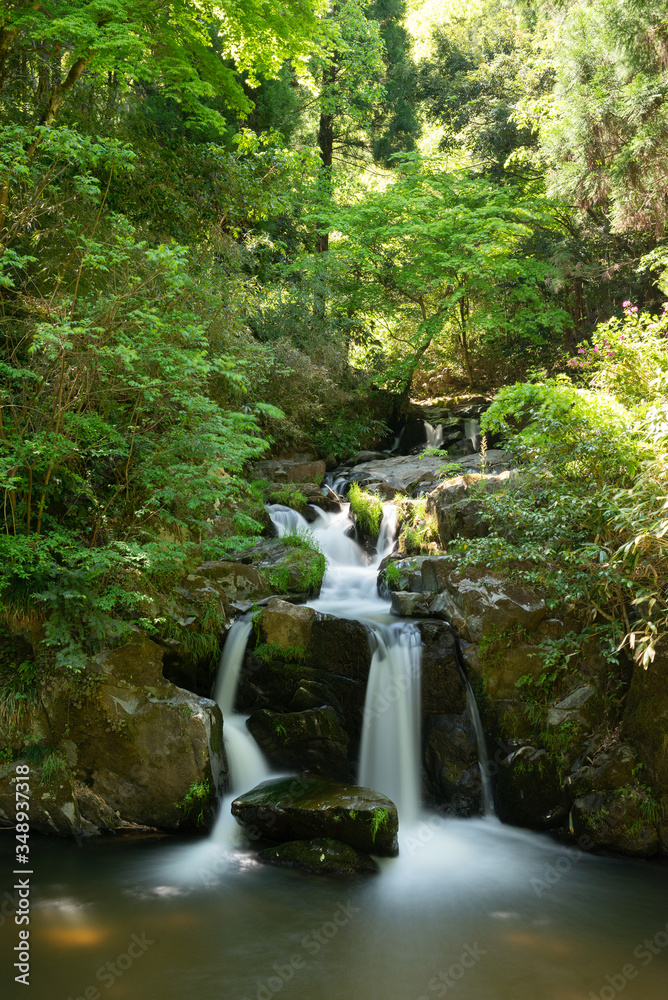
pixel 225 230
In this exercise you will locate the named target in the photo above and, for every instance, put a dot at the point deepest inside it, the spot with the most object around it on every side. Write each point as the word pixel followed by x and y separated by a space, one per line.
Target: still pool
pixel 471 910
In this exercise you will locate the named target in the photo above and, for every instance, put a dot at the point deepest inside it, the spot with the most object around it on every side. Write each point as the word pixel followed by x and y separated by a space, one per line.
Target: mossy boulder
pixel 458 507
pixel 310 740
pixel 443 689
pixel 529 789
pixel 320 857
pixel 308 806
pixel 139 742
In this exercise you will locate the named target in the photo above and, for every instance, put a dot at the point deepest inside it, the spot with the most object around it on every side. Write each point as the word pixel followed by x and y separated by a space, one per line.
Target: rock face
pixel 307 807
pixel 616 822
pixel 645 723
pixel 320 857
pixel 299 469
pixel 153 752
pixel 451 763
pixel 529 790
pixel 313 668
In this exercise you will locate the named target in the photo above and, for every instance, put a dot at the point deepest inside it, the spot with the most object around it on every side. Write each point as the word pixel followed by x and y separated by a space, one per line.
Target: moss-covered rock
pixel 139 742
pixel 53 803
pixel 443 689
pixel 320 857
pixel 645 723
pixel 451 763
pixel 618 821
pixel 529 789
pixel 307 806
pixel 310 740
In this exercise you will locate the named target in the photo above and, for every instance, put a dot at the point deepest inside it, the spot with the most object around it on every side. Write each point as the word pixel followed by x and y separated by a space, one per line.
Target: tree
pixel 439 251
pixel 607 135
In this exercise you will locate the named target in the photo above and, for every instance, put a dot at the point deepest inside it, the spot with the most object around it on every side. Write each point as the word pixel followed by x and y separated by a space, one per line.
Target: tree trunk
pixel 326 147
pixel 463 316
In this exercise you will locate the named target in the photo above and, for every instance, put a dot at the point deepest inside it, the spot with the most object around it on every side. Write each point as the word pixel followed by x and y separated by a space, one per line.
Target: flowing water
pixel 470 909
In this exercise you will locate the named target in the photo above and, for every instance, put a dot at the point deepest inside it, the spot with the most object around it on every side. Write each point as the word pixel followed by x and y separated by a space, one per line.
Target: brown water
pixel 471 910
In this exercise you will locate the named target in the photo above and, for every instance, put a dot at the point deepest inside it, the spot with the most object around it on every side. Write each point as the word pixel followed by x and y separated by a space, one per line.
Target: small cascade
pixel 390 754
pixel 285 519
pixel 483 760
pixel 472 432
pixel 247 766
pixel 434 435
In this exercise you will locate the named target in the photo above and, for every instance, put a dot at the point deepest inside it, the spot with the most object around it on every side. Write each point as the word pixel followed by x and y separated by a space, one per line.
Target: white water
pixel 434 435
pixel 247 766
pixel 483 759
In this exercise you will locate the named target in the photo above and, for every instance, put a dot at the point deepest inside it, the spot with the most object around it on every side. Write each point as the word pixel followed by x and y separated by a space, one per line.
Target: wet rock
pixel 451 762
pixel 307 807
pixel 237 581
pixel 139 742
pixel 491 604
pixel 506 668
pixel 310 740
pixel 292 470
pixel 96 814
pixel 581 707
pixel 418 475
pixel 400 573
pixel 369 456
pixel 320 857
pixel 410 605
pixel 529 790
pixel 617 821
pixel 53 804
pixel 314 694
pixel 443 690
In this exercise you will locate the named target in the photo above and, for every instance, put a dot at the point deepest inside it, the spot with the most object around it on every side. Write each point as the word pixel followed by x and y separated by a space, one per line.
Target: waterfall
pixel 483 760
pixel 472 432
pixel 390 754
pixel 285 519
pixel 434 435
pixel 247 766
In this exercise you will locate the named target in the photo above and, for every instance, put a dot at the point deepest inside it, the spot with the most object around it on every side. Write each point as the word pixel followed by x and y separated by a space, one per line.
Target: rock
pixel 139 742
pixel 306 807
pixel 292 470
pixel 369 456
pixel 96 814
pixel 616 821
pixel 320 857
pixel 458 509
pixel 310 740
pixel 298 648
pixel 451 762
pixel 400 573
pixel 503 671
pixel 237 581
pixel 417 475
pixel 645 723
pixel 53 804
pixel 529 790
pixel 314 694
pixel 581 707
pixel 443 689
pixel 491 604
pixel 410 605
pixel 610 769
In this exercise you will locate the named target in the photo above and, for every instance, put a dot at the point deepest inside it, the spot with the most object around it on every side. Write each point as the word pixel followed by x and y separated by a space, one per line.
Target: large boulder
pixel 417 475
pixel 617 821
pixel 306 806
pixel 443 689
pixel 529 789
pixel 152 751
pixel 320 857
pixel 309 740
pixel 298 653
pixel 296 469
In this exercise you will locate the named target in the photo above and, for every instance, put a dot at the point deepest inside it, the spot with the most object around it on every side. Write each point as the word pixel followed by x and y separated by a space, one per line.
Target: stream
pixel 470 909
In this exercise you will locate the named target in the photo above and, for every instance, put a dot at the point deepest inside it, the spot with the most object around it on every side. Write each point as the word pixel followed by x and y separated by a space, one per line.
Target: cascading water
pixel 434 435
pixel 247 766
pixel 483 760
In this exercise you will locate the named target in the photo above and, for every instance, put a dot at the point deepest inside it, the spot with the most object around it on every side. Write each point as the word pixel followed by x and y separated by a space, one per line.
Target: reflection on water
pixel 471 909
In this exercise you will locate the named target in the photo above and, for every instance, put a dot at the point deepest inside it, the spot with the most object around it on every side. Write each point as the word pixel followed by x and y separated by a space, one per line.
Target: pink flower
pixel 626 303
pixel 581 350
pixel 596 348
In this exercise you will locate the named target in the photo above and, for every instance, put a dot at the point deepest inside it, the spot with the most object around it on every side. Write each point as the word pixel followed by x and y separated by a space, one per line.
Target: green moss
pixel 368 511
pixel 379 821
pixel 195 800
pixel 269 651
pixel 393 576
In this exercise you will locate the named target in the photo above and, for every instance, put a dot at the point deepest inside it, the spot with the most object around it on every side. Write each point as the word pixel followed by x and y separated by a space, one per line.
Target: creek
pixel 470 909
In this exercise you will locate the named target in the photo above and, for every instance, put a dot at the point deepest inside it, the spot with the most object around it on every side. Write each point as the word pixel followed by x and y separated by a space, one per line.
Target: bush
pixel 368 511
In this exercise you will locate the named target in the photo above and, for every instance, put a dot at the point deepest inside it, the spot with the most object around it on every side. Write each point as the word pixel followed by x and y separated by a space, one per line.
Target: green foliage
pixel 379 821
pixel 418 530
pixel 195 801
pixel 367 509
pixel 268 651
pixel 392 575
